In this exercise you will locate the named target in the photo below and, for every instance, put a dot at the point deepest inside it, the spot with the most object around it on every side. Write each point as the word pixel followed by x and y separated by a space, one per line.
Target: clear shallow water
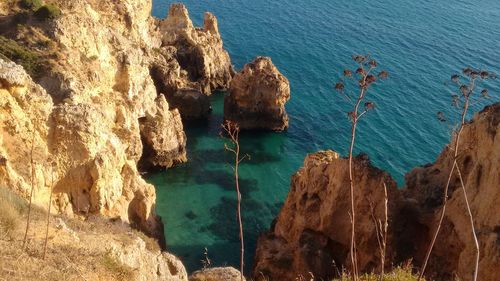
pixel 421 43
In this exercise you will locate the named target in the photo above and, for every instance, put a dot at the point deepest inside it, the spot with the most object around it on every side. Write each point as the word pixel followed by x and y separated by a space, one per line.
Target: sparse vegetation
pixel 10 216
pixel 13 51
pixel 65 260
pixel 48 12
pixel 120 271
pixel 31 4
pixel 364 78
pixel 467 84
pixel 403 273
pixel 232 130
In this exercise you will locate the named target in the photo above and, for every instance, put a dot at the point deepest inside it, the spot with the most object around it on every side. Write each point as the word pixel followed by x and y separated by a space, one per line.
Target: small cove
pixel 420 45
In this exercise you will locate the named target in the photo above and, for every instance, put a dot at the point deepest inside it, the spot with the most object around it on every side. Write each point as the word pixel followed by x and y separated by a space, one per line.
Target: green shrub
pixel 13 51
pixel 402 273
pixel 48 12
pixel 31 4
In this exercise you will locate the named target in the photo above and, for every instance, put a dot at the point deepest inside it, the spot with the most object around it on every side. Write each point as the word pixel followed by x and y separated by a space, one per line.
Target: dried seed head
pixel 369 105
pixel 347 73
pixel 371 79
pixel 484 74
pixel 485 93
pixel 373 63
pixel 339 86
pixel 464 90
pixel 383 74
pixel 441 117
pixel 455 78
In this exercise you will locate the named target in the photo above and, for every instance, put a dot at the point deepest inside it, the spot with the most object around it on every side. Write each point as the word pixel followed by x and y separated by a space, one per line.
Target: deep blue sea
pixel 419 42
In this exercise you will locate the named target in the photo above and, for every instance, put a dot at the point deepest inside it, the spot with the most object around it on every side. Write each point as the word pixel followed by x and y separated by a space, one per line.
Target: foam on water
pixel 420 43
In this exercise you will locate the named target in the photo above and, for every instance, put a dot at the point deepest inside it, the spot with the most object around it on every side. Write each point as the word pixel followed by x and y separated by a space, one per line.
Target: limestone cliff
pixel 95 110
pixel 257 97
pixel 311 232
pixel 454 253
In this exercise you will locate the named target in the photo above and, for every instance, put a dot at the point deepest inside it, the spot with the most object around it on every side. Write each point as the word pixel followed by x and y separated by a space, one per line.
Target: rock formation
pixel 311 232
pixel 200 51
pixel 257 97
pixel 216 274
pixel 163 135
pixel 97 110
pixel 454 253
pixel 181 93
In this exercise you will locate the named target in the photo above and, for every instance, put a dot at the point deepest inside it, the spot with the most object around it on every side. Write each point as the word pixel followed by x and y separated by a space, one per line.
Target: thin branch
pixel 32 187
pixel 471 218
pixel 48 213
pixel 232 131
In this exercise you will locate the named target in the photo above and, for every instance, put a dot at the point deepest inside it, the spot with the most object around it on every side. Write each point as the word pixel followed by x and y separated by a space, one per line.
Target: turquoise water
pixel 420 42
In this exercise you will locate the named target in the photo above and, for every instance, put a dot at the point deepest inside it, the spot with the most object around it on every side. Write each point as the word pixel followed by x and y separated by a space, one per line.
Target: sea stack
pixel 257 97
pixel 200 51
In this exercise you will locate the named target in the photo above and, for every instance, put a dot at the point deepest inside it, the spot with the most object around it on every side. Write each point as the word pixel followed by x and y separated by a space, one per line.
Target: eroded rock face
pixel 454 253
pixel 312 231
pixel 200 51
pixel 164 137
pixel 101 86
pixel 181 93
pixel 257 97
pixel 217 274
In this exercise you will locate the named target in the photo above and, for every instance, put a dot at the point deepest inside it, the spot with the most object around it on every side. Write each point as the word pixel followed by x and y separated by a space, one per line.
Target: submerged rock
pixel 257 97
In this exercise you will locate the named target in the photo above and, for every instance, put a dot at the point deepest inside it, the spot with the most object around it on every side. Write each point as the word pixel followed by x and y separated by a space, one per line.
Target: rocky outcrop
pixel 88 121
pixel 163 135
pixel 92 167
pixel 181 93
pixel 91 249
pixel 311 232
pixel 454 253
pixel 216 274
pixel 200 51
pixel 257 97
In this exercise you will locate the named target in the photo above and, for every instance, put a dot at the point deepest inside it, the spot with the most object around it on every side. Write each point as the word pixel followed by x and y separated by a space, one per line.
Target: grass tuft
pixel 117 269
pixel 401 273
pixel 11 50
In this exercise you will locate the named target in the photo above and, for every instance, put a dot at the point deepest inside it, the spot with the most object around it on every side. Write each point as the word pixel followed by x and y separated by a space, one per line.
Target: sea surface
pixel 421 43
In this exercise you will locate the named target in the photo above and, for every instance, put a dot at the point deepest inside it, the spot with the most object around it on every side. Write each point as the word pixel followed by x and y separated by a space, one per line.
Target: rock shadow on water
pixel 224 224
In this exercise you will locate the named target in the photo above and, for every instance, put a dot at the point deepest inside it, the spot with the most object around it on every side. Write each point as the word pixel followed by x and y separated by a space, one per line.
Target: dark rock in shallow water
pixel 191 215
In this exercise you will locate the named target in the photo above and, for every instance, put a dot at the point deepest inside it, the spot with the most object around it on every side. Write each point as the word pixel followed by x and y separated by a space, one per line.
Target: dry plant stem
pixel 384 234
pixel 355 118
pixel 471 218
pixel 32 188
pixel 381 231
pixel 445 196
pixel 233 132
pixel 48 215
